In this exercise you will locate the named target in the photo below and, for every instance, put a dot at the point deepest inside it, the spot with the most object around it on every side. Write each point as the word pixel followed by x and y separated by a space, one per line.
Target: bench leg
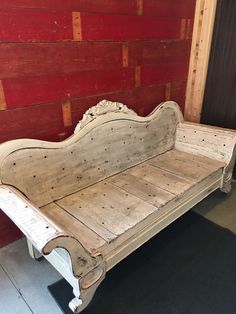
pixel 86 289
pixel 35 254
pixel 227 187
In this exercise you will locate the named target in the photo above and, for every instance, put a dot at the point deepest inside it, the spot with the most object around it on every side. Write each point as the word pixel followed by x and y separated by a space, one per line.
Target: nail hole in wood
pixel 14 163
pixel 63 169
pixel 26 206
pixel 45 157
pixel 34 176
pixel 47 227
pixel 102 223
pixel 91 138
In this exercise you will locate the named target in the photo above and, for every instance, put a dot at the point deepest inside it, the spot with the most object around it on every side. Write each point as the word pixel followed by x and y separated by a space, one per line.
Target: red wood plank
pixel 30 122
pixel 27 91
pixel 169 8
pixel 163 73
pixel 105 6
pixel 19 60
pixel 23 25
pixel 122 27
pixel 178 92
pixel 8 231
pixel 153 52
pixel 143 100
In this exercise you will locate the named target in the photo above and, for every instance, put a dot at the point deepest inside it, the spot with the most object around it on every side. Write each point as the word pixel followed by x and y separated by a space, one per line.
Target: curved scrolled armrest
pixel 43 233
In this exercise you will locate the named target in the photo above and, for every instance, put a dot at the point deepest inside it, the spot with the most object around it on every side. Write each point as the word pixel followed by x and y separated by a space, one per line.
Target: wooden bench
pixel 89 201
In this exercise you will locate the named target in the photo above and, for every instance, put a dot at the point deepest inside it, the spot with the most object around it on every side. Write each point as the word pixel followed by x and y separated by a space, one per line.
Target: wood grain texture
pixel 118 181
pixel 3 104
pixel 200 52
pixel 118 27
pixel 77 27
pixel 169 8
pixel 97 155
pixel 66 112
pixel 105 6
pixel 21 25
pixel 51 89
pixel 41 65
pixel 44 59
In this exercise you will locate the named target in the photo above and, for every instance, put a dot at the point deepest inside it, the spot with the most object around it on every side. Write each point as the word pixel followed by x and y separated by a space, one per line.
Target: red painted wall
pixel 59 57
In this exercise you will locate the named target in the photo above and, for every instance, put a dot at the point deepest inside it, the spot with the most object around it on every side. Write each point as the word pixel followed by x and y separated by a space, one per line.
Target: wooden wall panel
pixel 53 88
pixel 43 59
pixel 60 57
pixel 123 27
pixel 105 6
pixel 169 8
pixel 22 25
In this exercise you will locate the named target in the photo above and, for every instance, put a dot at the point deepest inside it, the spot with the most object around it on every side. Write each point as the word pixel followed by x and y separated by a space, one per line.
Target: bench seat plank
pixel 185 165
pixel 110 208
pixel 106 209
pixel 161 178
pixel 90 240
pixel 142 188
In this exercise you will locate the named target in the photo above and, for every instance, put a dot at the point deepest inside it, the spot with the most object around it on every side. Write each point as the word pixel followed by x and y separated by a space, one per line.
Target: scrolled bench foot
pixel 88 286
pixel 226 188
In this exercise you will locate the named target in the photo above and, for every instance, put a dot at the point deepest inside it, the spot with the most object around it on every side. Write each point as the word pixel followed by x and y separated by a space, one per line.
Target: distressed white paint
pixel 114 184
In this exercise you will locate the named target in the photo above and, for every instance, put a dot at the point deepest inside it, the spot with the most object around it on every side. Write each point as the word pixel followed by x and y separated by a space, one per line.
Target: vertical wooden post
pixel 199 59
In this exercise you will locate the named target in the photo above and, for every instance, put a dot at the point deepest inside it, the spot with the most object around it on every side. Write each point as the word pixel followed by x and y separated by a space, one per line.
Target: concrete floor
pixel 23 282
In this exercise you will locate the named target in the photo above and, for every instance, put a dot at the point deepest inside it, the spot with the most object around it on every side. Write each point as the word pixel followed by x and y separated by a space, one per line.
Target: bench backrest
pixel 110 138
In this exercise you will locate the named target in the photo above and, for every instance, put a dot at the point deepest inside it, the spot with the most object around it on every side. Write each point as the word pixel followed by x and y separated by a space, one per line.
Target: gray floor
pixel 23 282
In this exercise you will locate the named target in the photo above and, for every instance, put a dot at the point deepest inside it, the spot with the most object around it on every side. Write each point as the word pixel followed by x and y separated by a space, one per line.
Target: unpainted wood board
pixel 145 190
pixel 160 178
pixel 105 206
pixel 188 166
pixel 199 58
pixel 90 240
pixel 11 302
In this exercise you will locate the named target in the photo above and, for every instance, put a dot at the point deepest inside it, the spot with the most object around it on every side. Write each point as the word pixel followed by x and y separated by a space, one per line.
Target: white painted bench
pixel 89 201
